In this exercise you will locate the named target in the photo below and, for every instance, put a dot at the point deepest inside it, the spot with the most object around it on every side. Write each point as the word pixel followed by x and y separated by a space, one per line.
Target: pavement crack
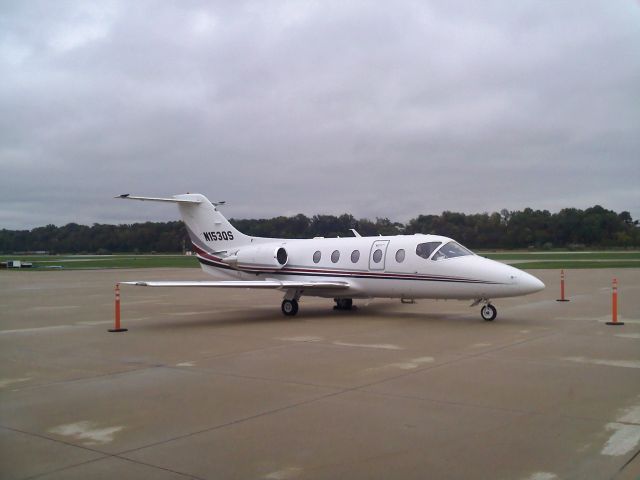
pixel 452 361
pixel 626 464
pixel 235 422
pixel 103 456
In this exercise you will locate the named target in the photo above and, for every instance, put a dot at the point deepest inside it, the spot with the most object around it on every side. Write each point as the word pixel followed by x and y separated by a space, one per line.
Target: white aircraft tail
pixel 208 229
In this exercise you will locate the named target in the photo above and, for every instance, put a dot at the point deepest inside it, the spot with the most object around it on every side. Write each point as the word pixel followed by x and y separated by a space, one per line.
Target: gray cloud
pixel 317 107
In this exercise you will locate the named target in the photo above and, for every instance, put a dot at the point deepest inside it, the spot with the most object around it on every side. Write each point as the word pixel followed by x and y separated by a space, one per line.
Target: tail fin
pixel 208 229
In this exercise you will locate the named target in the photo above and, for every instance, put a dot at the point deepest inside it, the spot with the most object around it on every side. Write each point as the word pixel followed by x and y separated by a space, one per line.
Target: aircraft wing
pixel 274 284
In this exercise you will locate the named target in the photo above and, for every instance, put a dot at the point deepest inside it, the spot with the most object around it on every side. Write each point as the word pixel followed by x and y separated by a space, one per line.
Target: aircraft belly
pixel 437 289
pixel 396 288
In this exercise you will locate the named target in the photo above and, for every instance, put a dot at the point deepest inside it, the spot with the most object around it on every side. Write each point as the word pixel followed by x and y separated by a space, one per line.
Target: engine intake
pixel 261 256
pixel 282 256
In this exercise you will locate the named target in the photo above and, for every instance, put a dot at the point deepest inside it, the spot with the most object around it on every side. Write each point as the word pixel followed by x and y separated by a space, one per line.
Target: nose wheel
pixel 488 312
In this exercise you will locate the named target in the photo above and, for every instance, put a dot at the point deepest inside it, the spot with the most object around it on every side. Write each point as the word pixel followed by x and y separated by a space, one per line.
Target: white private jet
pixel 401 266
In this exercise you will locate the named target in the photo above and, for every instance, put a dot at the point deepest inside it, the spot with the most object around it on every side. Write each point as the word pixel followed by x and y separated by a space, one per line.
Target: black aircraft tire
pixel 344 303
pixel 488 313
pixel 289 307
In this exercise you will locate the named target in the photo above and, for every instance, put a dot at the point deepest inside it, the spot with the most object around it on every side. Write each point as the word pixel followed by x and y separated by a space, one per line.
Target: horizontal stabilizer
pixel 126 196
pixel 275 284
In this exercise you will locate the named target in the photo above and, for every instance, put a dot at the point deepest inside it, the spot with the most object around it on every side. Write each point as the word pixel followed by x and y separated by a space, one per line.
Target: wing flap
pixel 274 284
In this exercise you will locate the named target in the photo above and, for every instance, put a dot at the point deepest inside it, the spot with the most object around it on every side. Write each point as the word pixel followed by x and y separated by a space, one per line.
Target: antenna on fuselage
pixel 355 233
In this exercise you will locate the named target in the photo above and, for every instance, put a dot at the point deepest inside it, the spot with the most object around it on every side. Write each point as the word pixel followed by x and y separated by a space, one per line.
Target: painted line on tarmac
pixel 5 382
pixel 312 338
pixel 87 431
pixel 284 474
pixel 65 327
pixel 606 318
pixel 407 365
pixel 200 312
pixel 138 302
pixel 626 433
pixel 628 335
pixel 39 329
pixel 542 476
pixel 301 338
pixel 382 346
pixel 605 362
pixel 53 307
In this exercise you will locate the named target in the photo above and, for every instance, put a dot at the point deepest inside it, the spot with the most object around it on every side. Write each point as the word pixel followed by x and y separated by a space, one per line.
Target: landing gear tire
pixel 289 307
pixel 488 312
pixel 343 303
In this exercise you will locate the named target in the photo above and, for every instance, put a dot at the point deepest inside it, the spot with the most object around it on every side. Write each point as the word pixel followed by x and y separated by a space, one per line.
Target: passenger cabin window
pixel 317 256
pixel 425 250
pixel 355 256
pixel 400 256
pixel 377 256
pixel 451 250
pixel 335 256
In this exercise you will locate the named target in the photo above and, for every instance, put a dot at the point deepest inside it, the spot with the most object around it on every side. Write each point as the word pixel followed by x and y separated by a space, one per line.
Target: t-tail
pixel 210 232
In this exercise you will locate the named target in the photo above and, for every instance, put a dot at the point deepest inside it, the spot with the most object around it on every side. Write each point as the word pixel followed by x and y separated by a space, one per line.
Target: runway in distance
pixel 400 266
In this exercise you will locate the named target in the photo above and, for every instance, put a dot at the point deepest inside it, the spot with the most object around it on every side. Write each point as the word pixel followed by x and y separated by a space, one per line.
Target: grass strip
pixel 107 262
pixel 537 256
pixel 576 265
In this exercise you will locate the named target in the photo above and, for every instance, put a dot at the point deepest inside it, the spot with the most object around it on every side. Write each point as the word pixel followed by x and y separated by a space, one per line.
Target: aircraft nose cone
pixel 530 284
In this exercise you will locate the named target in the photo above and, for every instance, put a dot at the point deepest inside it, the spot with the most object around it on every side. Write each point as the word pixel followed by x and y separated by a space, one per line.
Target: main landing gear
pixel 290 302
pixel 343 303
pixel 290 307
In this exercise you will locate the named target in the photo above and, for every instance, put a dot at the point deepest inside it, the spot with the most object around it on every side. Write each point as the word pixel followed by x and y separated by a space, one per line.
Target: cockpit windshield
pixel 451 250
pixel 425 250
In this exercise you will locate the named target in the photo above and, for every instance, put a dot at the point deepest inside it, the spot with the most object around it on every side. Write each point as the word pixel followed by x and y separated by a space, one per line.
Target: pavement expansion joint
pixel 211 371
pixel 236 421
pixel 628 462
pixel 53 439
pixel 68 467
pixel 461 358
pixel 89 378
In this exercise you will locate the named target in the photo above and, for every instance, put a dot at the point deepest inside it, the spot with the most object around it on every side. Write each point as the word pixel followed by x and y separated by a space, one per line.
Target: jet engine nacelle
pixel 270 256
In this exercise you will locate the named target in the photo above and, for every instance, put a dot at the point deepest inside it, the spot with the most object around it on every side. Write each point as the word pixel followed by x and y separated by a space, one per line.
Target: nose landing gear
pixel 488 312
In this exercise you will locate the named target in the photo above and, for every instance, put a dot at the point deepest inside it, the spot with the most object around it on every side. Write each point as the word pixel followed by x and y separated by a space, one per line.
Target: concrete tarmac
pixel 218 384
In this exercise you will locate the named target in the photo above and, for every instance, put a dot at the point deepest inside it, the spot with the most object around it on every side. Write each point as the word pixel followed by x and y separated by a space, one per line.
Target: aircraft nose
pixel 530 284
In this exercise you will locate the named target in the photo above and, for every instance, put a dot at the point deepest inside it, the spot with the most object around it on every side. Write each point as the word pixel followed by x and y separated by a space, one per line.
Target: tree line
pixel 540 229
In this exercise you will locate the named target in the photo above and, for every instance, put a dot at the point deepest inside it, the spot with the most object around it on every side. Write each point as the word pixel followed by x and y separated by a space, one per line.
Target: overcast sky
pixel 379 109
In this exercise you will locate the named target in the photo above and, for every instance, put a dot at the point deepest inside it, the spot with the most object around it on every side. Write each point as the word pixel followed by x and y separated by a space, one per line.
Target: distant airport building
pixel 16 264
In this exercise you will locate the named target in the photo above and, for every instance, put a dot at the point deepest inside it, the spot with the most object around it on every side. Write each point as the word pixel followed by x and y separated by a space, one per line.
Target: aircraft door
pixel 378 254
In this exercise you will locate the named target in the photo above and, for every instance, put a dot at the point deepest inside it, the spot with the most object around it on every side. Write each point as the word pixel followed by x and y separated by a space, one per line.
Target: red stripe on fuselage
pixel 214 261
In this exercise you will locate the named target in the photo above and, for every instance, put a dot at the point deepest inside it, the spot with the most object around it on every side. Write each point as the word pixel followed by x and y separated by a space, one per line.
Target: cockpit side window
pixel 451 250
pixel 425 250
